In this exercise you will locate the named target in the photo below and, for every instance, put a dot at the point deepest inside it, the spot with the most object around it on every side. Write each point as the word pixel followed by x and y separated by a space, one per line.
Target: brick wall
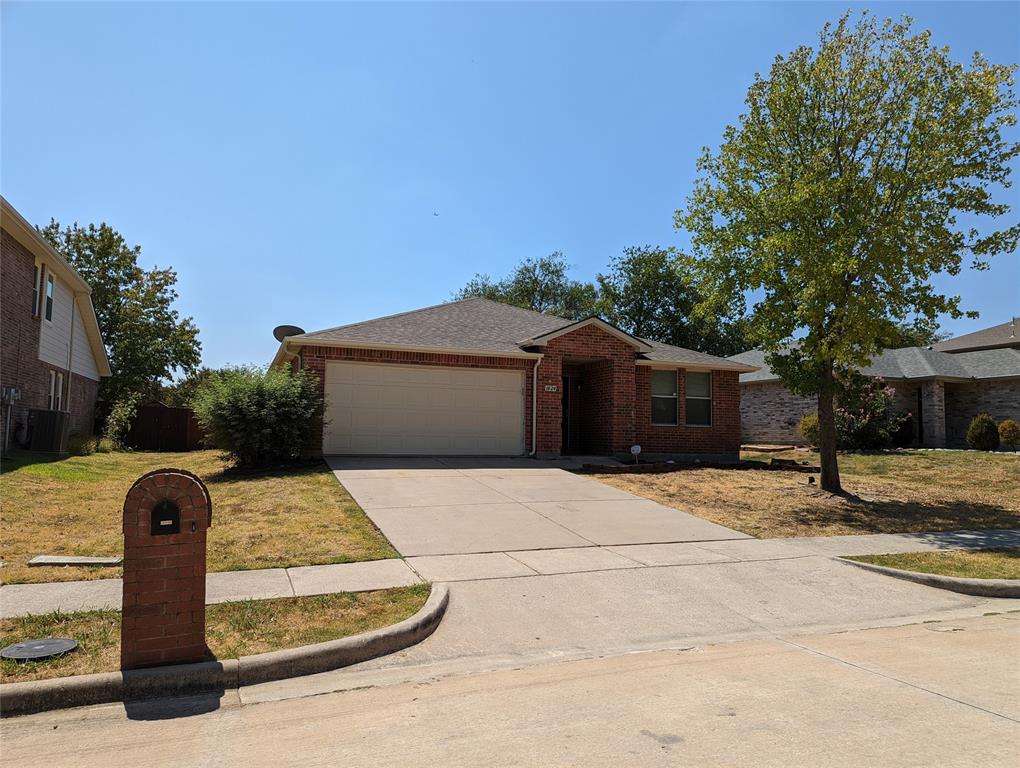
pixel 999 399
pixel 769 413
pixel 20 365
pixel 615 402
pixel 722 437
pixel 608 397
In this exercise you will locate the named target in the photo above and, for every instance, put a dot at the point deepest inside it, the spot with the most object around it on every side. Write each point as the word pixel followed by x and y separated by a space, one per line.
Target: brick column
pixel 933 399
pixel 166 516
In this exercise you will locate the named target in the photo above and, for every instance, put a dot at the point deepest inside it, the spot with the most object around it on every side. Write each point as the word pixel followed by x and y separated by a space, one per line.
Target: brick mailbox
pixel 166 516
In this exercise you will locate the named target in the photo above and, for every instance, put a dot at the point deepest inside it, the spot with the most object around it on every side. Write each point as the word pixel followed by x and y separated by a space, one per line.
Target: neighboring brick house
pixel 942 387
pixel 52 351
pixel 466 378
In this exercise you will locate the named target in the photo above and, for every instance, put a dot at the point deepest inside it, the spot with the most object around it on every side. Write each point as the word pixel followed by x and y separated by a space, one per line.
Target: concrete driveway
pixel 456 506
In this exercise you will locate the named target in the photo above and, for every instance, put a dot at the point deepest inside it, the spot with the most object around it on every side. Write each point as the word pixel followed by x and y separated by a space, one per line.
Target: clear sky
pixel 288 159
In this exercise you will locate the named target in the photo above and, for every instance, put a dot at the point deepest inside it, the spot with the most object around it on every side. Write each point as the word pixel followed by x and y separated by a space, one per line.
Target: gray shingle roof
pixel 1005 335
pixel 474 325
pixel 914 363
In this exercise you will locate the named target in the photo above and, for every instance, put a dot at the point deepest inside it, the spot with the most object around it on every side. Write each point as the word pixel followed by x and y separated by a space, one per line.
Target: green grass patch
pixel 294 515
pixel 967 564
pixel 232 629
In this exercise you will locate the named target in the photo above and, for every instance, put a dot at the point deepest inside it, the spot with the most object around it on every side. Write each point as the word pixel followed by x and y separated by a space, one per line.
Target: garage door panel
pixel 378 408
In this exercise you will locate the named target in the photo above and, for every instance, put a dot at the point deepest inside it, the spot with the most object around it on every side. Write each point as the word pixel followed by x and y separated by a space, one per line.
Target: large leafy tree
pixel 540 284
pixel 651 292
pixel 860 168
pixel 146 338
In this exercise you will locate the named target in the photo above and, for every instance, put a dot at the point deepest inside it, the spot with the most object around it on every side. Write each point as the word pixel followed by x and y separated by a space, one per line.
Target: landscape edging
pixel 33 696
pixel 976 587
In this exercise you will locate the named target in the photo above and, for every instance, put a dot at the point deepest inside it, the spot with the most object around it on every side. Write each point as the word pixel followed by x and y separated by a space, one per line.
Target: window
pixel 664 397
pixel 56 396
pixel 35 291
pixel 699 399
pixel 49 297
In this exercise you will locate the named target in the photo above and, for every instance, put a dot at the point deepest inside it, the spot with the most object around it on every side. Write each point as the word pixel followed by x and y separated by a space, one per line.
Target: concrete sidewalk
pixel 22 599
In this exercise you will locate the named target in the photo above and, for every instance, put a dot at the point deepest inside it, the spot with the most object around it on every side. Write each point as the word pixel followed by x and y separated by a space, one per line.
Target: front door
pixel 572 388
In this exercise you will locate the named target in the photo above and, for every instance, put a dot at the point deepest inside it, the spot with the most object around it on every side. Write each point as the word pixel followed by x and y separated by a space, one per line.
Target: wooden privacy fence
pixel 159 427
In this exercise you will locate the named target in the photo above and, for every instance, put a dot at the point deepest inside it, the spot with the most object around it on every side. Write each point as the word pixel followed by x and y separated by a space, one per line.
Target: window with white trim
pixel 664 398
pixel 699 398
pixel 49 297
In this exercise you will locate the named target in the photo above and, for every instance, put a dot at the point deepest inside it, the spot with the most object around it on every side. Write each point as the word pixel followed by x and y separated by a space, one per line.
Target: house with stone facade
pixel 942 387
pixel 477 377
pixel 52 354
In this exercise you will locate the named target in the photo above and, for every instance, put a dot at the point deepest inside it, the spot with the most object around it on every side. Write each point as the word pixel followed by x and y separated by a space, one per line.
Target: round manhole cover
pixel 35 650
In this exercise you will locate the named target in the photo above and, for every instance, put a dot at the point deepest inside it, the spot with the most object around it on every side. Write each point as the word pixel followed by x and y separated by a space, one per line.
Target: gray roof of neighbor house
pixel 1005 335
pixel 914 363
pixel 480 326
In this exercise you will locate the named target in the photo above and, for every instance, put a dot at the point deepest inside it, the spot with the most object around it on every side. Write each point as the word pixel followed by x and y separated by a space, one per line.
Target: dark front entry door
pixel 571 418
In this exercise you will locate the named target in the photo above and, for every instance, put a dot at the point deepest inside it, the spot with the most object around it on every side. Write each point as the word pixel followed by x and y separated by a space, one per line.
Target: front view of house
pixel 477 377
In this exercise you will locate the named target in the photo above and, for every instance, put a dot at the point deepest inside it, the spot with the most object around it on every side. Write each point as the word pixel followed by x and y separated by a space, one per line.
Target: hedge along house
pixel 477 377
pixel 52 349
pixel 942 387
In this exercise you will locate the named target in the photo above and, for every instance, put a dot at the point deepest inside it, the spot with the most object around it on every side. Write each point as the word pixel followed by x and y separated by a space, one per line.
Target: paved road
pixel 941 694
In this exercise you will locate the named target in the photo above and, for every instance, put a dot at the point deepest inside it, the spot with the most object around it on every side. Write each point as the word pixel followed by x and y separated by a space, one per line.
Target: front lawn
pixel 973 564
pixel 232 629
pixel 896 492
pixel 73 506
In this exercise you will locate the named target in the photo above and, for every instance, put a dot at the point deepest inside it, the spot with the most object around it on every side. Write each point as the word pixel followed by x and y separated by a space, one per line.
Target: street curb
pixel 217 676
pixel 976 587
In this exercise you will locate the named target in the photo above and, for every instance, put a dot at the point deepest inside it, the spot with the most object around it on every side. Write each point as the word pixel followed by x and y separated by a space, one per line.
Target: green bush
pixel 1009 433
pixel 82 445
pixel 808 428
pixel 982 434
pixel 118 423
pixel 864 414
pixel 105 445
pixel 258 416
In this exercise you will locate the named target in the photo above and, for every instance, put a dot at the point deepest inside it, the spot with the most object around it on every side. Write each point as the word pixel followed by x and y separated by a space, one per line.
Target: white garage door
pixel 408 410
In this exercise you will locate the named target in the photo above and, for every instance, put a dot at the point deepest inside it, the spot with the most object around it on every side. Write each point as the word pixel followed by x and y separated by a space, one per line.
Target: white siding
pixel 55 334
pixel 83 362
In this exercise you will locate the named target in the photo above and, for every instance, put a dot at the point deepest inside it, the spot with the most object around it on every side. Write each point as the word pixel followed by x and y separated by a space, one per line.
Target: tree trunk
pixel 827 432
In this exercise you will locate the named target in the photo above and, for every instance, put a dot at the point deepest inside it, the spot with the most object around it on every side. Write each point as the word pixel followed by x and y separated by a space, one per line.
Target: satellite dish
pixel 281 332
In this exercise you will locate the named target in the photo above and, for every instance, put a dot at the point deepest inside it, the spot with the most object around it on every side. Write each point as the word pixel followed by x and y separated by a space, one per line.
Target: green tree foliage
pixel 914 334
pixel 540 284
pixel 982 434
pixel 258 416
pixel 651 292
pixel 146 338
pixel 841 190
pixel 1009 433
pixel 182 391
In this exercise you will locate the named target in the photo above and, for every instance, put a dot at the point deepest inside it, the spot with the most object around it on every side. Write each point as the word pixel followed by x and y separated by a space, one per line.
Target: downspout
pixel 534 406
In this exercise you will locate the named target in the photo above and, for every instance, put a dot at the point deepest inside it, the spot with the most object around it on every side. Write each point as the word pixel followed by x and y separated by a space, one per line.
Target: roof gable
pixel 1005 335
pixel 543 338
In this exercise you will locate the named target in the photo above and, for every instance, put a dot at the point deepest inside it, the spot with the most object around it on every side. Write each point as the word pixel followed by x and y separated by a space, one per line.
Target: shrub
pixel 1009 433
pixel 118 423
pixel 808 428
pixel 104 445
pixel 258 416
pixel 903 437
pixel 82 445
pixel 982 434
pixel 864 414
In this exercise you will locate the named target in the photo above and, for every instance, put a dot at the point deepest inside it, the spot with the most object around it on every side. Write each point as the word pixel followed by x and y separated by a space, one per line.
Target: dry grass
pixel 900 492
pixel 232 629
pixel 974 564
pixel 294 516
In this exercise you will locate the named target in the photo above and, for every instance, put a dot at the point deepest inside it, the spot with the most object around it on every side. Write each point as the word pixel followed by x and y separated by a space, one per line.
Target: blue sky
pixel 287 159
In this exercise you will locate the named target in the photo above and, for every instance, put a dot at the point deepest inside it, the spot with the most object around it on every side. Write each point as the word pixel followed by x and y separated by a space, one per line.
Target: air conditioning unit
pixel 48 430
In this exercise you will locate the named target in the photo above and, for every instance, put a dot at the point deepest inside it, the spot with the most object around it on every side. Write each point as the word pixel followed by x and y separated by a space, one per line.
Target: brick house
pixel 52 351
pixel 477 377
pixel 942 387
